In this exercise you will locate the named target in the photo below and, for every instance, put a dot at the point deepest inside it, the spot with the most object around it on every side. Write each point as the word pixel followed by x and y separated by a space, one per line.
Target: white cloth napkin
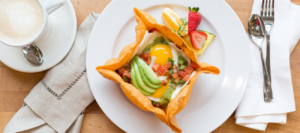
pixel 56 103
pixel 253 112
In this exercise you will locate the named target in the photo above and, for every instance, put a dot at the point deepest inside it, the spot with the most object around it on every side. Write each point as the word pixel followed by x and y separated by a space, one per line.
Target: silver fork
pixel 267 14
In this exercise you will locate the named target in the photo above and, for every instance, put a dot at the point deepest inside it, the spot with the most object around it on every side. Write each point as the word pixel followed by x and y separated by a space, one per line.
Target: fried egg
pixel 160 54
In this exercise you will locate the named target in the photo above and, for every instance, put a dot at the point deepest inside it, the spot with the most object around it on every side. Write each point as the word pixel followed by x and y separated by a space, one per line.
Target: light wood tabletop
pixel 15 86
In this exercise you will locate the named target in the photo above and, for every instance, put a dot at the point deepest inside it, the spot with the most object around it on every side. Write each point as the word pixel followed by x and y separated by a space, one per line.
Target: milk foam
pixel 20 21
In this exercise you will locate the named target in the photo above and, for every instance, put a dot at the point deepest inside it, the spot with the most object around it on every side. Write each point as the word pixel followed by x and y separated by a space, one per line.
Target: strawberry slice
pixel 194 19
pixel 198 38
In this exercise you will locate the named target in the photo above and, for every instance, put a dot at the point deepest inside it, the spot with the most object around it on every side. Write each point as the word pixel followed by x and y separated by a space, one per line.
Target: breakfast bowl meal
pixel 158 70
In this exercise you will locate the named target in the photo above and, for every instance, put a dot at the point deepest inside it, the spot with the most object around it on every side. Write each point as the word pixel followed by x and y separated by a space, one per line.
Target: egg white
pixel 148 38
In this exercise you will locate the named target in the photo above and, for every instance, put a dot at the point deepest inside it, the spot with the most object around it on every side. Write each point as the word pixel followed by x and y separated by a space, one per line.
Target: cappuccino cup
pixel 22 22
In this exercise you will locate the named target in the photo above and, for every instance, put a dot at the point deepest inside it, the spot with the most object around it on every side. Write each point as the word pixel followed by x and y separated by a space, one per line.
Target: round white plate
pixel 55 44
pixel 213 98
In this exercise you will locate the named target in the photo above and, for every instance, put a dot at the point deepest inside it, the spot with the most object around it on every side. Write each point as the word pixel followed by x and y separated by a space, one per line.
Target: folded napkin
pixel 56 104
pixel 253 112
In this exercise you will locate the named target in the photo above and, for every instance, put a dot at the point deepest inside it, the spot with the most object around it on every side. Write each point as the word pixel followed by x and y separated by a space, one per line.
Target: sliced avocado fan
pixel 134 81
pixel 148 72
pixel 139 80
pixel 144 77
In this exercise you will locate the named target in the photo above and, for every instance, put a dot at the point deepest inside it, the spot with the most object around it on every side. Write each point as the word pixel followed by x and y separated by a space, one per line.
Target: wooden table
pixel 14 86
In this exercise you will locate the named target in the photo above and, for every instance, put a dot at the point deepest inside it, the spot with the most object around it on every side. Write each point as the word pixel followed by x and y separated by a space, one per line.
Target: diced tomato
pixel 121 71
pixel 153 29
pixel 148 61
pixel 175 67
pixel 127 74
pixel 194 65
pixel 157 73
pixel 164 82
pixel 175 71
pixel 161 70
pixel 182 73
pixel 155 67
pixel 141 56
pixel 126 66
pixel 188 70
pixel 146 56
pixel 186 78
pixel 174 76
pixel 159 106
pixel 177 80
pixel 166 73
pixel 168 65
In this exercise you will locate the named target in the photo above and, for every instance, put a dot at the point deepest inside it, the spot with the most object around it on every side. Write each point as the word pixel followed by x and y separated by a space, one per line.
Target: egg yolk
pixel 160 92
pixel 162 52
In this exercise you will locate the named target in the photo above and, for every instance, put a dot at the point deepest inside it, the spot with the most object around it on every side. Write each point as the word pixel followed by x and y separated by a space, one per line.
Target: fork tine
pixel 269 7
pixel 273 8
pixel 262 8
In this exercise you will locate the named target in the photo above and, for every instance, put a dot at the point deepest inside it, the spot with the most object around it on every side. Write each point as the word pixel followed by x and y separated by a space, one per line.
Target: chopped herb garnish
pixel 154 103
pixel 172 64
pixel 126 79
pixel 181 26
pixel 181 82
pixel 182 63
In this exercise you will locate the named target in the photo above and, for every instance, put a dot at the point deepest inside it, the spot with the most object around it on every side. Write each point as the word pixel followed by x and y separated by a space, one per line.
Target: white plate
pixel 55 44
pixel 213 98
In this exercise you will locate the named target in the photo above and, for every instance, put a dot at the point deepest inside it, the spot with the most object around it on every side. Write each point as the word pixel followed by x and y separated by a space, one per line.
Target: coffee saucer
pixel 55 44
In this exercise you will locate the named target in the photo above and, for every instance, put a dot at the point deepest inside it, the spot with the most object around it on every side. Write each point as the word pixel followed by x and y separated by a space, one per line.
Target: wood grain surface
pixel 15 86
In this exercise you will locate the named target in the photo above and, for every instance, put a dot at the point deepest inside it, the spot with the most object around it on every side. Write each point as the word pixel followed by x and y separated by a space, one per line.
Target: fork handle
pixel 268 62
pixel 267 82
pixel 268 55
pixel 269 91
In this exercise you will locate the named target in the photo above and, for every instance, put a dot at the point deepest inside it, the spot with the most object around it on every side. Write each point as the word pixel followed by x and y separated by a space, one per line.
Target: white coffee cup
pixel 48 7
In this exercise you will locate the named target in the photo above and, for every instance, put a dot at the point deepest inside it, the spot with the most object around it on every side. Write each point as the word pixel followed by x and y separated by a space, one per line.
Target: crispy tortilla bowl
pixel 147 22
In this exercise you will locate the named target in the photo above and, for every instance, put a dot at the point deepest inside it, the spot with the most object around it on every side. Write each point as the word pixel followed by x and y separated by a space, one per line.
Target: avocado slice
pixel 148 72
pixel 148 83
pixel 144 78
pixel 210 37
pixel 139 80
pixel 134 81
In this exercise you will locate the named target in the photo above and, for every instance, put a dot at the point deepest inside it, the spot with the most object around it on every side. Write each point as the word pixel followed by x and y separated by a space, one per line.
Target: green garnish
pixel 182 63
pixel 181 82
pixel 154 103
pixel 181 26
pixel 126 79
pixel 172 64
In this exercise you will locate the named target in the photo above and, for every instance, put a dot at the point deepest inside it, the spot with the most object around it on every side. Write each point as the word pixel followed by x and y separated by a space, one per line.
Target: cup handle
pixel 52 5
